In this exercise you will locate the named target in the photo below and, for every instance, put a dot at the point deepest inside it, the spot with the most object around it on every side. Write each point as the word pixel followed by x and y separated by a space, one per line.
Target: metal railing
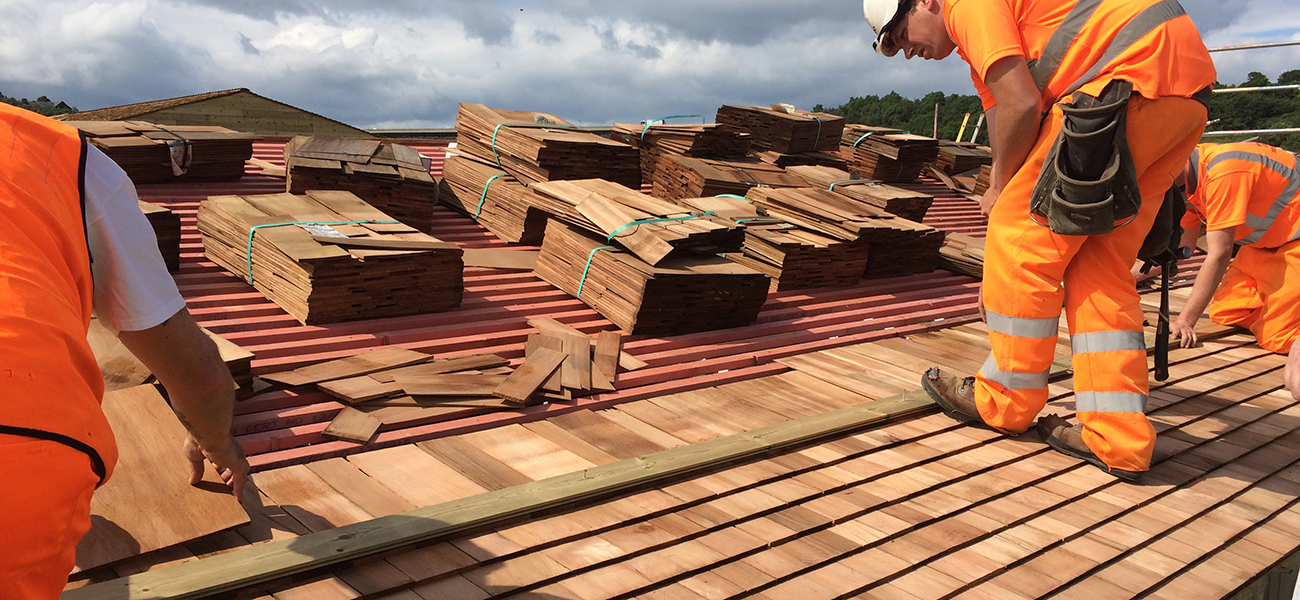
pixel 1270 88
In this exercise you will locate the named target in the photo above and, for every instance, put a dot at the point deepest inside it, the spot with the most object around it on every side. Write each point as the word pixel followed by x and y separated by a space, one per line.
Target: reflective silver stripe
pixel 1131 402
pixel 1011 380
pixel 1147 21
pixel 1260 225
pixel 1107 341
pixel 1193 179
pixel 1046 65
pixel 1020 327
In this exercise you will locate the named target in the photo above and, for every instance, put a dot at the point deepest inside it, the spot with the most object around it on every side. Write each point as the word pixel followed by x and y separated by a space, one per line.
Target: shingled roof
pixel 132 111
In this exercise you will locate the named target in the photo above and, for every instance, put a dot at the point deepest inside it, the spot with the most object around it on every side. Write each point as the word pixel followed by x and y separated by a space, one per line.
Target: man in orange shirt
pixel 1033 62
pixel 73 242
pixel 1247 194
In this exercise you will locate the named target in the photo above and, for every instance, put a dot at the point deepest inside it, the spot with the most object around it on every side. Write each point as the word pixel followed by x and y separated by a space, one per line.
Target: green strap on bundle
pixel 762 219
pixel 832 188
pixel 253 230
pixel 483 196
pixel 656 121
pixel 610 237
pixel 590 256
pixel 733 196
pixel 871 133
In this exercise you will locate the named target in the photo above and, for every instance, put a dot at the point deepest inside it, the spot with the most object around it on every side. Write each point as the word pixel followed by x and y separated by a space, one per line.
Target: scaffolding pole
pixel 1255 46
pixel 1240 132
pixel 1267 88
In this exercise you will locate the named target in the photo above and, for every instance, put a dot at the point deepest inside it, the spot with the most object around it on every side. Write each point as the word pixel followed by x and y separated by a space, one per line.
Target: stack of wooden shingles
pixel 328 256
pixel 895 246
pixel 494 198
pixel 678 177
pixel 894 200
pixel 963 254
pixel 792 256
pixel 395 386
pixel 673 296
pixel 646 265
pixel 701 141
pixel 535 146
pixel 167 228
pixel 390 177
pixel 785 130
pixel 959 157
pixel 649 228
pixel 886 154
pixel 157 154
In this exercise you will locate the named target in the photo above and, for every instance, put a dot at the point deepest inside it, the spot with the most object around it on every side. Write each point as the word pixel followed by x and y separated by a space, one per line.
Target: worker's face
pixel 922 33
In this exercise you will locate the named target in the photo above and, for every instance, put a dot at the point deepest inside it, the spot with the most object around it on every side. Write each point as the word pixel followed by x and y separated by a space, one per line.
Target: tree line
pixel 1234 111
pixel 41 105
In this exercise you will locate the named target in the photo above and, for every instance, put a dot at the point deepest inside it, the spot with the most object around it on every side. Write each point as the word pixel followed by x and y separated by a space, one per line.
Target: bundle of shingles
pixel 963 254
pixel 894 200
pixel 886 154
pixel 678 177
pixel 655 140
pixel 395 386
pixel 785 130
pixel 167 228
pixel 651 229
pixel 960 157
pixel 494 198
pixel 390 177
pixel 534 146
pixel 157 154
pixel 792 256
pixel 895 246
pixel 785 161
pixel 328 256
pixel 681 295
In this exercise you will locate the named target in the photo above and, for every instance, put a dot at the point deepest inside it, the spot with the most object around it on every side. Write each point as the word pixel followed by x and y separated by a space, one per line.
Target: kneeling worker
pixel 1066 216
pixel 1248 194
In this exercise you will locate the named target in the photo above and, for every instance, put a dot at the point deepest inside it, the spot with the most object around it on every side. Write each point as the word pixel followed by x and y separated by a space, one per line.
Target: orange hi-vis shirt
pixel 50 385
pixel 1152 44
pixel 1252 187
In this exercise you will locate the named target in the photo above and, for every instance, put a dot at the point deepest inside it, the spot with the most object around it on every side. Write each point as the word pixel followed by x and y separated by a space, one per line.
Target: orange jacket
pixel 50 385
pixel 1252 187
pixel 1083 45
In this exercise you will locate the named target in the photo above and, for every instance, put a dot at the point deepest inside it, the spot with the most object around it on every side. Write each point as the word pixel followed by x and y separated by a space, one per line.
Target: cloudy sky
pixel 403 63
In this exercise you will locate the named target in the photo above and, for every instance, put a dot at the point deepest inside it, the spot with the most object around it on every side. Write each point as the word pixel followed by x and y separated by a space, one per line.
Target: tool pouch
pixel 1088 181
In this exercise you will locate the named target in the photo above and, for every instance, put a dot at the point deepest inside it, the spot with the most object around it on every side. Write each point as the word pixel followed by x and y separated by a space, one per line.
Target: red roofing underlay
pixel 284 427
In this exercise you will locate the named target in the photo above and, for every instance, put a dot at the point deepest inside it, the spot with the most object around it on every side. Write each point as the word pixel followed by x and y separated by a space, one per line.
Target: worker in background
pixel 73 242
pixel 1066 215
pixel 1248 194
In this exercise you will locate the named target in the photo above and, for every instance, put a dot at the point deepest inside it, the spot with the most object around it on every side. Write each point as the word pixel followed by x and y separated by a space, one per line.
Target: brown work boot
pixel 954 395
pixel 1068 440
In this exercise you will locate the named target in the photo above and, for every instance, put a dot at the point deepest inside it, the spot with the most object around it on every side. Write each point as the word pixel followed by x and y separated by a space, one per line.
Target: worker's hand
pixel 228 459
pixel 981 303
pixel 1184 331
pixel 1292 373
pixel 987 201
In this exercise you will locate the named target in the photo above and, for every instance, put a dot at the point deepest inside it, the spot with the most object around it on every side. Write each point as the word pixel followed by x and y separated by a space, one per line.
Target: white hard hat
pixel 882 16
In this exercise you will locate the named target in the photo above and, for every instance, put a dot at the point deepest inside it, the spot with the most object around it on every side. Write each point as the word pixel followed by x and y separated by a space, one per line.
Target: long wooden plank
pixel 247 567
pixel 530 376
pixel 451 365
pixel 388 357
pixel 148 504
pixel 451 384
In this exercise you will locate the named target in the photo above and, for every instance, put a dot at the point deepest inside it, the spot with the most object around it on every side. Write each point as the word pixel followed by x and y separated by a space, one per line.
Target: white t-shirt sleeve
pixel 133 290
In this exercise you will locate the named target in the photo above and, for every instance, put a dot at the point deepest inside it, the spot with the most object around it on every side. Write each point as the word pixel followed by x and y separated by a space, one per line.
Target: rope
pixel 610 237
pixel 483 196
pixel 653 121
pixel 254 229
pixel 819 132
pixel 527 126
pixel 590 256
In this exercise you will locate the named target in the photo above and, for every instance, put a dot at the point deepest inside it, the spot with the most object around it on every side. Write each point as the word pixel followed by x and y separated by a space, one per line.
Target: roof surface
pixel 127 112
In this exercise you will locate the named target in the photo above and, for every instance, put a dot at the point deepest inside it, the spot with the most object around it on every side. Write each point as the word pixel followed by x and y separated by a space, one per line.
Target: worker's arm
pixel 1216 264
pixel 1292 371
pixel 1013 122
pixel 201 391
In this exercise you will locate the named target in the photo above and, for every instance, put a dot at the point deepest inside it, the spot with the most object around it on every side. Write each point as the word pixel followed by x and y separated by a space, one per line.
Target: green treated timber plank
pixel 260 564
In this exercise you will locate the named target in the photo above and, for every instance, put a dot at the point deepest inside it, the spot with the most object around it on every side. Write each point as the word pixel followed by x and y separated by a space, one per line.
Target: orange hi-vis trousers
pixel 1257 293
pixel 44 511
pixel 1030 273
